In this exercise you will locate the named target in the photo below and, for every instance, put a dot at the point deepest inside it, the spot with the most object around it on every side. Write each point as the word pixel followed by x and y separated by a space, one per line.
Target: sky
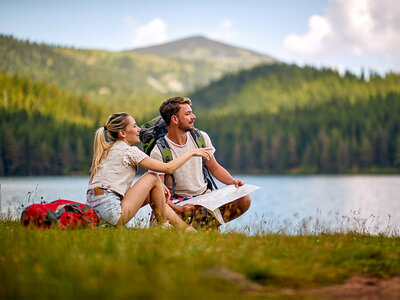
pixel 352 35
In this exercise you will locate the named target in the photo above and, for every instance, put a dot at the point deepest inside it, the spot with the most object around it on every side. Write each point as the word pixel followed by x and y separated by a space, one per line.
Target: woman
pixel 114 167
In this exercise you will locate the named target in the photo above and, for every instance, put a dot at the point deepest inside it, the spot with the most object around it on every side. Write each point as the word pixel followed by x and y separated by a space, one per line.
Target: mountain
pixel 272 118
pixel 118 80
pixel 123 80
pixel 227 57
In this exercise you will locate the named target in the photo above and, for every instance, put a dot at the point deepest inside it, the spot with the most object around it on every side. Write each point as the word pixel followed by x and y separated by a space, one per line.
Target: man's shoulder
pixel 200 132
pixel 206 137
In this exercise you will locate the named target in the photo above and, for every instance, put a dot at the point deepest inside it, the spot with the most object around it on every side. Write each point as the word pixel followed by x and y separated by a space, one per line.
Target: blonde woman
pixel 114 167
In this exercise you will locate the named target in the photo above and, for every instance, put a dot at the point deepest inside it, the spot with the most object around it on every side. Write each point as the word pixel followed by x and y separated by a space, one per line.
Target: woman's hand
pixel 203 152
pixel 167 194
pixel 170 167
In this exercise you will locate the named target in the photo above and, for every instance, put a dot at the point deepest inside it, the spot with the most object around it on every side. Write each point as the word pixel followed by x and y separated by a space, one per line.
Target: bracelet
pixel 233 179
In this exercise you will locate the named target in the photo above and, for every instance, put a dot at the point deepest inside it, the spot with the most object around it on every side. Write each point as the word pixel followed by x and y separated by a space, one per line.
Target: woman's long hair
pixel 105 137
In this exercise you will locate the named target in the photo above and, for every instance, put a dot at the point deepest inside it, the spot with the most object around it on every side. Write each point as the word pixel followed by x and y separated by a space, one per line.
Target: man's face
pixel 186 118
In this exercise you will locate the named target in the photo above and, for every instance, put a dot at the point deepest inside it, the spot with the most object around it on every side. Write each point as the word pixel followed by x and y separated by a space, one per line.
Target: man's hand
pixel 187 210
pixel 236 182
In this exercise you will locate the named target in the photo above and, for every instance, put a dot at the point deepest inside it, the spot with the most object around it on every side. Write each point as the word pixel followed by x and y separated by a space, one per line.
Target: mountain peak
pixel 202 48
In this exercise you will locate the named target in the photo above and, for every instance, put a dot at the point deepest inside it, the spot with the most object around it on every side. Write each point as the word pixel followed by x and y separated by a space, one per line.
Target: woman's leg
pixel 133 200
pixel 175 220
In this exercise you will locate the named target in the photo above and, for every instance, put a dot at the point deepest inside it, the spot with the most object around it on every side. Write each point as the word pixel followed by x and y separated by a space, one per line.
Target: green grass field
pixel 169 264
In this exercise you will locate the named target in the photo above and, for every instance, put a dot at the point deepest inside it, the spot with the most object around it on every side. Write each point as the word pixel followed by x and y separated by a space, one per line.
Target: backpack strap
pixel 201 143
pixel 198 138
pixel 166 155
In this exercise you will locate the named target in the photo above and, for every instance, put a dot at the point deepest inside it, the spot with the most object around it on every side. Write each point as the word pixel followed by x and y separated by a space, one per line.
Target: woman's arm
pixel 170 167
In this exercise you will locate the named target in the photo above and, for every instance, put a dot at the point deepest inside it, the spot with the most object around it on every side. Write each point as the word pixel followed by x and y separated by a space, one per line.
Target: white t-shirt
pixel 117 171
pixel 189 179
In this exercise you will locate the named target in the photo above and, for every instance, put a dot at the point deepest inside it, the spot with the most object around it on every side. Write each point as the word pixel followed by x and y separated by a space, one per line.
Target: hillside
pixel 277 87
pixel 119 80
pixel 44 130
pixel 200 48
pixel 274 118
pixel 281 118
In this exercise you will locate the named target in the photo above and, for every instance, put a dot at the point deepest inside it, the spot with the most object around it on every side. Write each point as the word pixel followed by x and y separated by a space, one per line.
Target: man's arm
pixel 221 174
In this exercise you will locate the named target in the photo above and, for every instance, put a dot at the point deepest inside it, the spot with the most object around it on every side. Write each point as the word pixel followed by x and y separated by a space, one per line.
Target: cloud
pixel 154 32
pixel 358 27
pixel 314 41
pixel 224 31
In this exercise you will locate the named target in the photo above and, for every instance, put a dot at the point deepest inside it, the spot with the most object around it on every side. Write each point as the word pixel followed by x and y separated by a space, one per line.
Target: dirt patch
pixel 356 287
pixel 234 278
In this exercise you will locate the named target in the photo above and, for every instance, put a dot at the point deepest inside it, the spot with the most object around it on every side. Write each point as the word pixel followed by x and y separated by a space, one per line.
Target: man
pixel 189 179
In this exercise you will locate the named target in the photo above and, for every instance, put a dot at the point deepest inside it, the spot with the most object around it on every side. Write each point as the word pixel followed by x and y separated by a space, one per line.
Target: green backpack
pixel 153 133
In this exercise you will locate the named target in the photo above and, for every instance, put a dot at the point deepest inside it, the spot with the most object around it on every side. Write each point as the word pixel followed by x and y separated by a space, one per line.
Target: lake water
pixel 287 204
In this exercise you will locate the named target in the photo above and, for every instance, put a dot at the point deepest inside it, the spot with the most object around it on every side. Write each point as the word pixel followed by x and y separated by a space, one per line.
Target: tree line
pixel 337 136
pixel 44 130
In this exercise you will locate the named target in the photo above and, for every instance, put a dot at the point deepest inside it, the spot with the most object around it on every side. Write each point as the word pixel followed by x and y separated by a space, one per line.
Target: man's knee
pixel 245 203
pixel 236 208
pixel 241 205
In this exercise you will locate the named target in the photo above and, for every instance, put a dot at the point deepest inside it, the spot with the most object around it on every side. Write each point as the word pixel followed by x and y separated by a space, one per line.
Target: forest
pixel 283 118
pixel 334 137
pixel 271 119
pixel 43 130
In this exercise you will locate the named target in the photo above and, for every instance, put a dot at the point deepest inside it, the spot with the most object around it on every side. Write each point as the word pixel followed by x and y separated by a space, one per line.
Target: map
pixel 215 199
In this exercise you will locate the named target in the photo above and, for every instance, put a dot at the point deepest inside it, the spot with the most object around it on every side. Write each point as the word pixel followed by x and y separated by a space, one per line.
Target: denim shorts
pixel 107 206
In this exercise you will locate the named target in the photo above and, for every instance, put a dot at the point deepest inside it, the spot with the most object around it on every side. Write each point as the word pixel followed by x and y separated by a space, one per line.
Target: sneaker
pixel 190 229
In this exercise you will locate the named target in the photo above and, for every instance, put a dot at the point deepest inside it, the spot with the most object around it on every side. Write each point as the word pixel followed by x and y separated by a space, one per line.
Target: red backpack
pixel 61 213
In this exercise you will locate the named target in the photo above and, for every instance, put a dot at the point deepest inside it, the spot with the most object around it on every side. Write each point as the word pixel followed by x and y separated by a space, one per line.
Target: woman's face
pixel 130 134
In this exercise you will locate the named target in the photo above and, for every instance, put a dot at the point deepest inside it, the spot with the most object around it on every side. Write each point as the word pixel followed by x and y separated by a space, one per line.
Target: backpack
pixel 153 133
pixel 63 214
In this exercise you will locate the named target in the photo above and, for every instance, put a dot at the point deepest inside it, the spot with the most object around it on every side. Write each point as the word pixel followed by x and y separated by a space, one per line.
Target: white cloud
pixel 314 41
pixel 360 28
pixel 154 32
pixel 224 31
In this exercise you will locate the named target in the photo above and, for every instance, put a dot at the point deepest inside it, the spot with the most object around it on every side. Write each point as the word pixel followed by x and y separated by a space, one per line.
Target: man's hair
pixel 171 107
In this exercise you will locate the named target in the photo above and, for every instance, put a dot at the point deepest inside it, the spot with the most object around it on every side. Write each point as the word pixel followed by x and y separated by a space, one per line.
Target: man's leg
pixel 234 209
pixel 230 211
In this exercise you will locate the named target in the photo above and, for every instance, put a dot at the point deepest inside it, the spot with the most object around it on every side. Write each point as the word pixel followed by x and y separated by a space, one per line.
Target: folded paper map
pixel 215 199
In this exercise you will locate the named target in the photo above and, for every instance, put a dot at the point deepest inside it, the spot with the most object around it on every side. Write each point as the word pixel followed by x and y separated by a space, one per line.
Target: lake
pixel 284 204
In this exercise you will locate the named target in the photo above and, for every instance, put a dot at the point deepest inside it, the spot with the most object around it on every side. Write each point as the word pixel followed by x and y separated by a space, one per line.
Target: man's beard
pixel 185 128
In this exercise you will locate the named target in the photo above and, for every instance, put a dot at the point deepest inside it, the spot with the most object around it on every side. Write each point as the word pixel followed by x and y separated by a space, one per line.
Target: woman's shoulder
pixel 135 149
pixel 134 155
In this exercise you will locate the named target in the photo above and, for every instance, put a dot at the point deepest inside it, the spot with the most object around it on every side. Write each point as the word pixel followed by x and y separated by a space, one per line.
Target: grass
pixel 163 264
